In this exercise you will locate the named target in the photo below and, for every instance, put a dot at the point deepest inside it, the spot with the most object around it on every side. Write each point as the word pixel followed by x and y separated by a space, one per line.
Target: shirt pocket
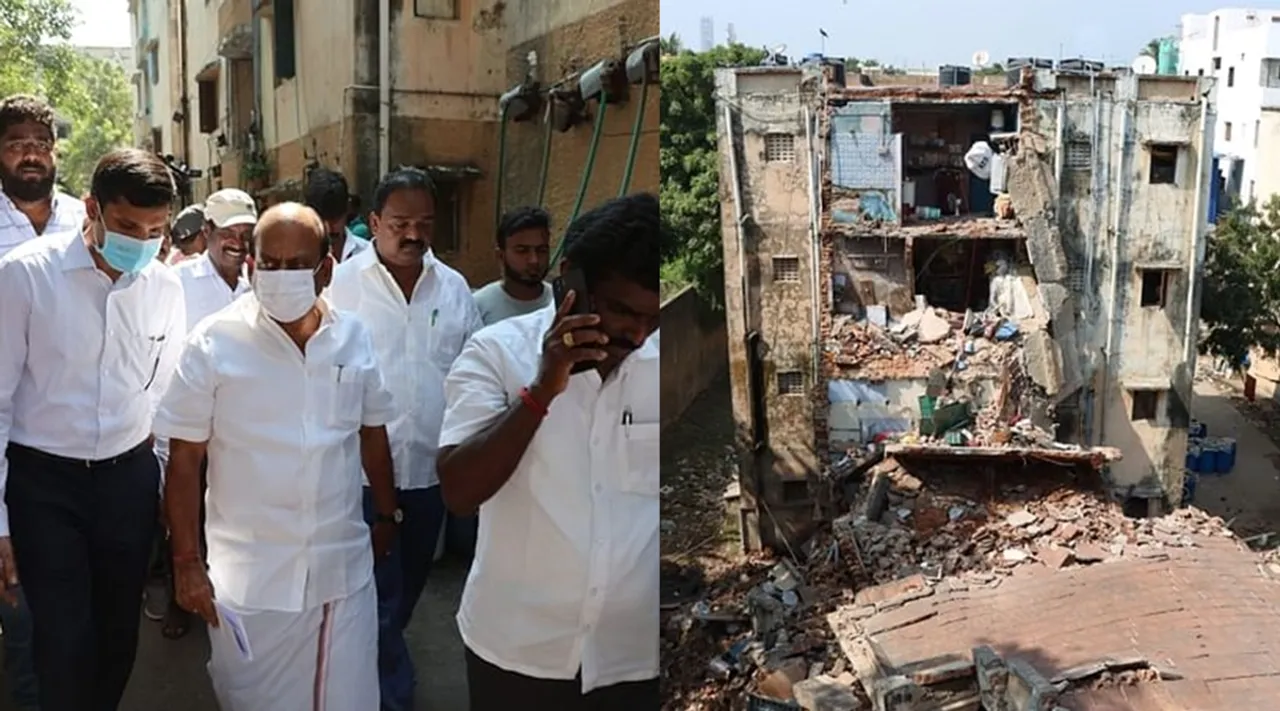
pixel 345 396
pixel 447 339
pixel 642 445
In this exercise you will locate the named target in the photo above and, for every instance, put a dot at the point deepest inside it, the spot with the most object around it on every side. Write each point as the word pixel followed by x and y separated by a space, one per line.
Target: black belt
pixel 86 463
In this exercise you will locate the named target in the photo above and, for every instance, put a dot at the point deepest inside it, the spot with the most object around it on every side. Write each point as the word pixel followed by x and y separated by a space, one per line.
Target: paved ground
pixel 1251 492
pixel 171 674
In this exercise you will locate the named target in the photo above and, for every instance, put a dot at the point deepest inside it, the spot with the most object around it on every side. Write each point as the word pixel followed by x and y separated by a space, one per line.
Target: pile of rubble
pixel 922 340
pixel 762 635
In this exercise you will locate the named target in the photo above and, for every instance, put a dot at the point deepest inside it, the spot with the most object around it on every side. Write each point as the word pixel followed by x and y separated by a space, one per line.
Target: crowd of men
pixel 296 412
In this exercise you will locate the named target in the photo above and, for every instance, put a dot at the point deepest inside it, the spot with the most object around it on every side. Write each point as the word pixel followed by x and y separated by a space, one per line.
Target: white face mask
pixel 285 294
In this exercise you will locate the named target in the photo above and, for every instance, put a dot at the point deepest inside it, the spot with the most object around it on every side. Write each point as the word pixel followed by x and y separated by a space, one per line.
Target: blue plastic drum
pixel 1193 459
pixel 1189 482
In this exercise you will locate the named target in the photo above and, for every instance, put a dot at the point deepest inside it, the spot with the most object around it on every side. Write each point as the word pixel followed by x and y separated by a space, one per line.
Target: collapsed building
pixel 933 273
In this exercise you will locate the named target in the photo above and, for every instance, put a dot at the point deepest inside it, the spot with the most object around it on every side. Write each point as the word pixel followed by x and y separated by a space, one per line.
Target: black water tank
pixel 1084 66
pixel 1013 67
pixel 952 75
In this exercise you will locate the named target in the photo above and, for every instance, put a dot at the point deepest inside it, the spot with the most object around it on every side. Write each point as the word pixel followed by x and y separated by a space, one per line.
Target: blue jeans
pixel 19 667
pixel 400 578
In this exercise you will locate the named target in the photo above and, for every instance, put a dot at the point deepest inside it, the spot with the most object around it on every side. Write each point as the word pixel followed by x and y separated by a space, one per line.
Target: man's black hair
pixel 21 108
pixel 520 219
pixel 621 238
pixel 402 178
pixel 327 194
pixel 135 176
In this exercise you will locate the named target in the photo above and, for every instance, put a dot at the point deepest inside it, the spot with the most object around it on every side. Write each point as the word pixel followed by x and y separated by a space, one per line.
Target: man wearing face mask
pixel 284 396
pixel 30 204
pixel 90 332
pixel 420 313
pixel 565 469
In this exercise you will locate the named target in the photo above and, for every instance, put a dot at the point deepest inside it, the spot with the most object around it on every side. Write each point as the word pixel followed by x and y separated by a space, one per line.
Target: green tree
pixel 689 161
pixel 1241 303
pixel 33 45
pixel 100 109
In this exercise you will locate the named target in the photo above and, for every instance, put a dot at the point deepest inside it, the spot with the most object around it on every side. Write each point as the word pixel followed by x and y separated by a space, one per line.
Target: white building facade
pixel 151 80
pixel 1241 48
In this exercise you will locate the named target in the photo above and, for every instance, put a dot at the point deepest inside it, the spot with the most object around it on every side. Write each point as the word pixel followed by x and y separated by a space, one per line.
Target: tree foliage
pixel 689 162
pixel 92 94
pixel 1241 297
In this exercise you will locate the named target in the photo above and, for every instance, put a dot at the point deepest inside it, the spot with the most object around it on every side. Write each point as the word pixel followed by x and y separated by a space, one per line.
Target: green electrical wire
pixel 635 140
pixel 586 172
pixel 502 165
pixel 546 156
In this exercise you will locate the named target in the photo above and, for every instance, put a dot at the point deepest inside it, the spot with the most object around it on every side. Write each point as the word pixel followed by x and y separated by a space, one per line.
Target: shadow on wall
pixel 694 351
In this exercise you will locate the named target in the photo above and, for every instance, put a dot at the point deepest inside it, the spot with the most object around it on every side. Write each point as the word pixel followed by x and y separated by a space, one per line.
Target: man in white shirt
pixel 327 194
pixel 420 313
pixel 560 610
pixel 210 282
pixel 284 396
pixel 90 330
pixel 30 205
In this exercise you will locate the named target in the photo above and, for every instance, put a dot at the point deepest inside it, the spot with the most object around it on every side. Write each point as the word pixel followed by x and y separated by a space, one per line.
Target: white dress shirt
pixel 417 341
pixel 67 215
pixel 83 361
pixel 285 527
pixel 205 290
pixel 354 245
pixel 566 567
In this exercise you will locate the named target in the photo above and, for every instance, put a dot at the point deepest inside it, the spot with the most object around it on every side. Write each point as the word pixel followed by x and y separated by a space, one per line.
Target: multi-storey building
pixel 1241 48
pixel 961 274
pixel 271 91
pixel 153 91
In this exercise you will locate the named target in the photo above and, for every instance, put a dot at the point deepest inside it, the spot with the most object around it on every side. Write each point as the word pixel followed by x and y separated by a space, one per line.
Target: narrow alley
pixel 1249 495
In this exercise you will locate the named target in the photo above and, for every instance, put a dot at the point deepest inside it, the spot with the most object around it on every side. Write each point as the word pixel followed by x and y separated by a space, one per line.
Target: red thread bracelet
pixel 532 403
pixel 186 558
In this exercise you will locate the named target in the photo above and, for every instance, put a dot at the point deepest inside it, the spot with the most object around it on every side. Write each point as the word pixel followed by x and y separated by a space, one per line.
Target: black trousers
pixel 82 535
pixel 493 688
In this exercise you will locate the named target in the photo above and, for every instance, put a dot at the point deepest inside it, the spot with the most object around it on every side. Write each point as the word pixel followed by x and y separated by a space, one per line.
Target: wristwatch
pixel 396 517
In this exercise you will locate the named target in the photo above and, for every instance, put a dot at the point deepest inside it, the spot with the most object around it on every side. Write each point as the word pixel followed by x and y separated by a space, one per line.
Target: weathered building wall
pixel 694 352
pixel 1118 224
pixel 772 251
pixel 153 35
pixel 1268 171
pixel 569 37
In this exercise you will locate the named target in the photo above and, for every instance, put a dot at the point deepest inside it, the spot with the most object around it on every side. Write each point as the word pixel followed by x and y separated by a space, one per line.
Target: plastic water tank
pixel 952 75
pixel 1167 56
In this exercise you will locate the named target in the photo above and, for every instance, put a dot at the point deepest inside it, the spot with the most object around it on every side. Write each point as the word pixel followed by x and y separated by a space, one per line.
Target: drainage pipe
pixel 546 155
pixel 1196 243
pixel 586 171
pixel 502 165
pixel 1113 288
pixel 384 87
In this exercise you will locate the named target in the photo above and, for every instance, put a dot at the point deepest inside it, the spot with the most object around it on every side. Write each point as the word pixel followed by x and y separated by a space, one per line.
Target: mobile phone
pixel 573 280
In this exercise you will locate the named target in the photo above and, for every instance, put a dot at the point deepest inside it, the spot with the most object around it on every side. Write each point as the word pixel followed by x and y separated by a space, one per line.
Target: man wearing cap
pixel 210 283
pixel 189 235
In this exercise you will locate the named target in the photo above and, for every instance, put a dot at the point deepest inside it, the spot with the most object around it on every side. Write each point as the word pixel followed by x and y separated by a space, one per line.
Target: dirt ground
pixel 1248 496
pixel 171 674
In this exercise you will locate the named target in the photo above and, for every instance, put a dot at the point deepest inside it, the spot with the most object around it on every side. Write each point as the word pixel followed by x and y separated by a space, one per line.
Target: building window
pixel 1155 287
pixel 1079 155
pixel 284 37
pixel 1146 403
pixel 157 140
pixel 1199 72
pixel 786 270
pixel 779 148
pixel 153 65
pixel 755 372
pixel 447 230
pixel 790 382
pixel 1217 22
pixel 208 99
pixel 1226 131
pixel 1252 192
pixel 1231 76
pixel 436 9
pixel 1217 63
pixel 1164 164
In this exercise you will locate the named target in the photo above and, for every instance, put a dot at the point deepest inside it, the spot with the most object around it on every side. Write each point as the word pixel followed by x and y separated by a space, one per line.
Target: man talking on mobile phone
pixel 560 610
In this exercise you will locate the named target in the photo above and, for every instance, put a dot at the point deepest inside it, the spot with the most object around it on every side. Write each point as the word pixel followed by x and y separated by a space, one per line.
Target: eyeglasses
pixel 23 146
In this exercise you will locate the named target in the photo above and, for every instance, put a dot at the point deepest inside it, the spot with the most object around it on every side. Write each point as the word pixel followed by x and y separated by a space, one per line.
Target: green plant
pixel 255 168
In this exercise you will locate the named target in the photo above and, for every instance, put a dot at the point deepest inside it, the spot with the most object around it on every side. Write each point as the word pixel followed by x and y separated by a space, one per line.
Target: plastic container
pixel 1229 451
pixel 1198 430
pixel 1193 460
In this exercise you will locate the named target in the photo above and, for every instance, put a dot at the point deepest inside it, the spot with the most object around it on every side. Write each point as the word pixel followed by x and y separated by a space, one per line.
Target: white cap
pixel 229 207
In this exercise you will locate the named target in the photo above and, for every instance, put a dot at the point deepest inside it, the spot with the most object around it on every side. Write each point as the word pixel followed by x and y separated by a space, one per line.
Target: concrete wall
pixel 202 52
pixel 568 37
pixel 152 24
pixel 1268 172
pixel 776 204
pixel 694 353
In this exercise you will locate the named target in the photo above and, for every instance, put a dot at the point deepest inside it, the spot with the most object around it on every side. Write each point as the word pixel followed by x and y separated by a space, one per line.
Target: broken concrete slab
pixel 896 693
pixel 1043 364
pixel 823 693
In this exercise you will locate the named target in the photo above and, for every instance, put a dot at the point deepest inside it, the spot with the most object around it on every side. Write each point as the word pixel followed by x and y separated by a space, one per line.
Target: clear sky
pixel 927 33
pixel 103 23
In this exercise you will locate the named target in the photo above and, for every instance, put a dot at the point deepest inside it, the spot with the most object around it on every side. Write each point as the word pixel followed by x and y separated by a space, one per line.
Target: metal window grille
pixel 786 269
pixel 791 382
pixel 1079 155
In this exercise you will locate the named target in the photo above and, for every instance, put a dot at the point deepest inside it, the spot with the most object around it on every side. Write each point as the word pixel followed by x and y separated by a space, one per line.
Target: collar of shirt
pixel 585 494
pixel 202 267
pixel 67 214
pixel 355 243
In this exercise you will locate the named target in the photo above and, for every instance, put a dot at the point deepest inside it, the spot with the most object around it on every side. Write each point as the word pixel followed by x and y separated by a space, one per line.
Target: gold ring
pixel 568 339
